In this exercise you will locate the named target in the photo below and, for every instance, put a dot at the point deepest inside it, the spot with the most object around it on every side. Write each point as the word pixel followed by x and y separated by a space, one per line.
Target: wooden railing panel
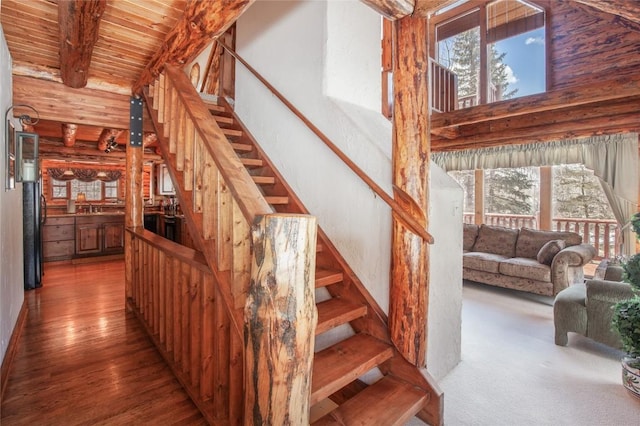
pixel 189 135
pixel 180 142
pixel 197 341
pixel 158 104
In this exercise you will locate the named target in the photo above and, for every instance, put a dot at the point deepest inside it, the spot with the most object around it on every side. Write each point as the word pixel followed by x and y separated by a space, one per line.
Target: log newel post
pixel 133 203
pixel 280 321
pixel 408 296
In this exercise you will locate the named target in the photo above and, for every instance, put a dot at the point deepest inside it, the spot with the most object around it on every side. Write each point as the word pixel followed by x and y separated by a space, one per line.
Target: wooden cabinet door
pixel 88 239
pixel 113 237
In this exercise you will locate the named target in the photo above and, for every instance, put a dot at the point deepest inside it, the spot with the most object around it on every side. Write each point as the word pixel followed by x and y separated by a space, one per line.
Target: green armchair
pixel 587 308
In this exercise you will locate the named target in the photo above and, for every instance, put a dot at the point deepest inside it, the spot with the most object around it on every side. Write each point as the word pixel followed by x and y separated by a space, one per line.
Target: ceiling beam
pixel 201 22
pixel 57 102
pixel 619 116
pixel 391 9
pixel 625 8
pixel 79 22
pixel 85 151
pixel 107 134
pixel 605 90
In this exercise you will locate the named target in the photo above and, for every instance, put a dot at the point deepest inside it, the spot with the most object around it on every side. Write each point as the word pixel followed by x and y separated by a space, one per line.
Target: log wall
pixel 587 44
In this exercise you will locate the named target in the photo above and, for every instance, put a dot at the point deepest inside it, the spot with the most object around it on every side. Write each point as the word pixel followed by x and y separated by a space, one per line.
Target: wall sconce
pixel 21 149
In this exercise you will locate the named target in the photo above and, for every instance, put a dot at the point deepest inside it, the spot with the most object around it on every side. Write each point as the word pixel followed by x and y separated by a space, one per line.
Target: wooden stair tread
pixel 325 277
pixel 214 107
pixel 342 363
pixel 335 312
pixel 223 119
pixel 273 199
pixel 263 180
pixel 243 147
pixel 231 132
pixel 387 402
pixel 251 162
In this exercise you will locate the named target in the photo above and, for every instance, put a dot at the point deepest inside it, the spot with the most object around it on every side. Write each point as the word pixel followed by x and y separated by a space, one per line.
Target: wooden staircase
pixel 403 391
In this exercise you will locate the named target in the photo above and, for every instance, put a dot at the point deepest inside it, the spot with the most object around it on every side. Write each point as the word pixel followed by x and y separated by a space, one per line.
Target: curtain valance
pixel 84 175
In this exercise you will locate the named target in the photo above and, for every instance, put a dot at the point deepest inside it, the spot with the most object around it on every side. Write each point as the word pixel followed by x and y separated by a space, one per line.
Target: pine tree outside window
pixel 496 49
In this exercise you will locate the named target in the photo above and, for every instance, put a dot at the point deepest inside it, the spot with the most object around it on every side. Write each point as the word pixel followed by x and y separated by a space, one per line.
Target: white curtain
pixel 613 159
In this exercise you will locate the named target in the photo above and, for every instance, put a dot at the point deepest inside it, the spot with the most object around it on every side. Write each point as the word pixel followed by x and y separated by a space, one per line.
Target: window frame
pixel 464 17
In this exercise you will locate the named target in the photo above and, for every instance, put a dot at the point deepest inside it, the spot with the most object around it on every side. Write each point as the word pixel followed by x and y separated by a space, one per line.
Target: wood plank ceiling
pixel 76 61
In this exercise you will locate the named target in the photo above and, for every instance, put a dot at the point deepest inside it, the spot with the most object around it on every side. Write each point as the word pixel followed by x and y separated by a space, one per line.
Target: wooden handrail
pixel 409 221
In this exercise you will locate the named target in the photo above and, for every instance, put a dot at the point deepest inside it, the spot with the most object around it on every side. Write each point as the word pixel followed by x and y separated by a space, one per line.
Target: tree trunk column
pixel 411 154
pixel 280 321
pixel 133 204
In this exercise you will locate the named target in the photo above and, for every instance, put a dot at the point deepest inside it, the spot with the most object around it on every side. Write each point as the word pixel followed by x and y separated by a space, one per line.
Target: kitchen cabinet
pixel 99 234
pixel 165 184
pixel 58 238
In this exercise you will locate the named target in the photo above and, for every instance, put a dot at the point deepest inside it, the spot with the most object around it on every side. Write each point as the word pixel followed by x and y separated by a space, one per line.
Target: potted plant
pixel 626 321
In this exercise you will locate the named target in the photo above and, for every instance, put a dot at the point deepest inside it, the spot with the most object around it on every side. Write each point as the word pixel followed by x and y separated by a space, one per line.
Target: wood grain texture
pixel 200 23
pixel 281 319
pixel 79 22
pixel 82 359
pixel 408 304
pixel 391 9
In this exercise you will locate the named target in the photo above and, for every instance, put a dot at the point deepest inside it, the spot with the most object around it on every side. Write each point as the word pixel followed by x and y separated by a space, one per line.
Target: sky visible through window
pixel 526 60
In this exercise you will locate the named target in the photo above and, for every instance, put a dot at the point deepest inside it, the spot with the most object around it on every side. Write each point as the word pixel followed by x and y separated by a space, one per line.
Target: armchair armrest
pixel 608 291
pixel 566 267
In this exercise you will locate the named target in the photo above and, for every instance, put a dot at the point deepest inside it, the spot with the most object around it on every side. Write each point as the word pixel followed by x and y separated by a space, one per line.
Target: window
pixel 93 191
pixel 497 49
pixel 59 189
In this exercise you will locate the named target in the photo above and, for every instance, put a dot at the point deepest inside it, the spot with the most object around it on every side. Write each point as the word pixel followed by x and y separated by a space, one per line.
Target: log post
pixel 280 321
pixel 69 132
pixel 133 204
pixel 410 156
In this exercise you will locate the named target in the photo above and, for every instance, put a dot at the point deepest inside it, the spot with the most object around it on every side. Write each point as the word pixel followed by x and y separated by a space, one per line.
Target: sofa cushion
pixel 479 261
pixel 496 240
pixel 522 267
pixel 469 234
pixel 549 250
pixel 530 241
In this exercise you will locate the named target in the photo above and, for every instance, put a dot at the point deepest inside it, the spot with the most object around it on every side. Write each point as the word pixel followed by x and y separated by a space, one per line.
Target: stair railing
pixel 416 225
pixel 262 266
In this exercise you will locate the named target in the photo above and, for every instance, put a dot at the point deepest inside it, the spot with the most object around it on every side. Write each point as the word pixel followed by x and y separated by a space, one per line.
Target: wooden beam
pixel 69 132
pixel 107 134
pixel 391 9
pixel 408 304
pixel 84 151
pixel 201 22
pixel 424 8
pixel 624 8
pixel 607 90
pixel 57 102
pixel 79 22
pixel 598 118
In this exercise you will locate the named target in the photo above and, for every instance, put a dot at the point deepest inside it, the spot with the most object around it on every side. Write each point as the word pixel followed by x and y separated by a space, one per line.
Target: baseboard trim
pixel 11 348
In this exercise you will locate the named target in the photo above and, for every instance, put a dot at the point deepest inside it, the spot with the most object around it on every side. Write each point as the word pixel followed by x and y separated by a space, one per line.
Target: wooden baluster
pixel 195 327
pixel 170 274
pixel 174 120
pixel 162 292
pixel 280 321
pixel 189 138
pixel 177 313
pixel 185 279
pixel 168 90
pixel 198 170
pixel 241 256
pixel 607 241
pixel 221 351
pixel 155 297
pixel 211 213
pixel 225 226
pixel 207 325
pixel 162 93
pixel 180 138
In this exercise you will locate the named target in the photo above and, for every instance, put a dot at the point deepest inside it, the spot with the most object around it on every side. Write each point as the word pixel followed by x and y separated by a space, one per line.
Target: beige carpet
pixel 513 374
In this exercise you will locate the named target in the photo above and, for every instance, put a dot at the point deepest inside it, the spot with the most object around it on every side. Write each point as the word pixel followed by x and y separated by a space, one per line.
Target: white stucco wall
pixel 11 269
pixel 325 58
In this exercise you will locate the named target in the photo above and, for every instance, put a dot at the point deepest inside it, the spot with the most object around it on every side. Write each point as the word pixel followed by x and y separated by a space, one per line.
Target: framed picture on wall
pixel 11 156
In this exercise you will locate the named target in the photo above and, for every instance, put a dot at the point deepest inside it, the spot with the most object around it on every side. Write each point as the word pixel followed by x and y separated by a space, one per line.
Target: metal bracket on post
pixel 135 122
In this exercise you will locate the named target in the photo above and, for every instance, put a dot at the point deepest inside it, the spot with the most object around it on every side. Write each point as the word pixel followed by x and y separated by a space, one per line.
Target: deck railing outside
pixel 603 234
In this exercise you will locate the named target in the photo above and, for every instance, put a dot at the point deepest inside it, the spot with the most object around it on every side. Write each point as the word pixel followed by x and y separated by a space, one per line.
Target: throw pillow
pixel 549 250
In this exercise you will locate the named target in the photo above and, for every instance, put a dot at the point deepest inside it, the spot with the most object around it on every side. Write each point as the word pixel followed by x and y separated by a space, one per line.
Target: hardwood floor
pixel 83 360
